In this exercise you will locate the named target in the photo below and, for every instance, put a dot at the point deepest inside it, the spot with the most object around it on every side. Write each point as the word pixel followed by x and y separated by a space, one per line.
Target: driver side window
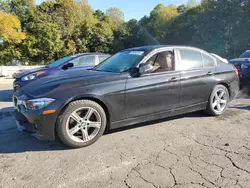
pixel 162 61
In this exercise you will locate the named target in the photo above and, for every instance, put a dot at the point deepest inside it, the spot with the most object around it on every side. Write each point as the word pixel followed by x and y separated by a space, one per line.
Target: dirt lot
pixel 192 150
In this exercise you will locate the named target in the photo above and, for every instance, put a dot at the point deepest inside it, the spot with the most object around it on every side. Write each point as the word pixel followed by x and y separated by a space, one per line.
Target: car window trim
pixel 215 62
pixel 97 60
pixel 157 73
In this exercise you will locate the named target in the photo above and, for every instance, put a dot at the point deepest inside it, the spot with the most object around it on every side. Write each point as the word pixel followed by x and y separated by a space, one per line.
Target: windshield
pixel 59 62
pixel 121 62
pixel 245 55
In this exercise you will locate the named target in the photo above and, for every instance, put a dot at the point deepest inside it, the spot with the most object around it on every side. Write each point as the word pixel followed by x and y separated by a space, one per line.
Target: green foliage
pixel 116 16
pixel 182 9
pixel 192 4
pixel 8 53
pixel 44 43
pixel 11 35
pixel 62 27
pixel 217 26
pixel 40 34
pixel 23 9
pixel 9 26
pixel 160 19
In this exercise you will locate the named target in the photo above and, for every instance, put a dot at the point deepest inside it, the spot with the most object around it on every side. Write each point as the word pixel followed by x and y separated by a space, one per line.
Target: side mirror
pixel 134 72
pixel 145 68
pixel 69 65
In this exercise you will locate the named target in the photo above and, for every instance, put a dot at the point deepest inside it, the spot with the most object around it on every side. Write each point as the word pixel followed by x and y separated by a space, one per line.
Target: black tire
pixel 210 110
pixel 62 123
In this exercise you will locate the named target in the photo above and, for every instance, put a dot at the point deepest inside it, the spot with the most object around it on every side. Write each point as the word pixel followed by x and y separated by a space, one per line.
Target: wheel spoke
pixel 85 134
pixel 88 114
pixel 221 94
pixel 214 104
pixel 218 107
pixel 223 101
pixel 94 124
pixel 216 96
pixel 74 130
pixel 76 117
pixel 83 124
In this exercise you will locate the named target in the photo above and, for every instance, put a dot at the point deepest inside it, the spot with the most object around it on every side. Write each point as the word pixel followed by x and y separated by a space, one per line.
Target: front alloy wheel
pixel 81 124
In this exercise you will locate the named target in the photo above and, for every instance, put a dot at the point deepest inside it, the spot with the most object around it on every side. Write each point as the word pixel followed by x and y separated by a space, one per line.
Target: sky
pixel 131 8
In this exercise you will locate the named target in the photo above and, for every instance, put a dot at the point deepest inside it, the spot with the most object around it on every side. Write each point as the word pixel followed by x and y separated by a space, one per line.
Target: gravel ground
pixel 192 150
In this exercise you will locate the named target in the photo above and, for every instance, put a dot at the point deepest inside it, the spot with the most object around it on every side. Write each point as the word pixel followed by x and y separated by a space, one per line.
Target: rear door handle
pixel 210 73
pixel 174 79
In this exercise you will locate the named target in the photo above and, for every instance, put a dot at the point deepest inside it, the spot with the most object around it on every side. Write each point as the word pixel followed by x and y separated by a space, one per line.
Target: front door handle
pixel 210 73
pixel 174 79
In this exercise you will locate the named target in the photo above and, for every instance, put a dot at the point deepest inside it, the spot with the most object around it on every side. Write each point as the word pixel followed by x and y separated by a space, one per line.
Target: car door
pixel 197 76
pixel 154 92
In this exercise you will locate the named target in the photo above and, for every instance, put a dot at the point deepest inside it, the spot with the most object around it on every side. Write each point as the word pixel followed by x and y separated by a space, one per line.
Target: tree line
pixel 39 34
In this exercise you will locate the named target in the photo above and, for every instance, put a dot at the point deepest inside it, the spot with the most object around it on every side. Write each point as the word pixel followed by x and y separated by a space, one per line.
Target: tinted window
pixel 59 62
pixel 190 60
pixel 84 61
pixel 208 61
pixel 102 58
pixel 162 62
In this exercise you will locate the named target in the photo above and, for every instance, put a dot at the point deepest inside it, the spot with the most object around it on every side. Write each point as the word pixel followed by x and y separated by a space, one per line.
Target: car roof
pixel 89 53
pixel 153 47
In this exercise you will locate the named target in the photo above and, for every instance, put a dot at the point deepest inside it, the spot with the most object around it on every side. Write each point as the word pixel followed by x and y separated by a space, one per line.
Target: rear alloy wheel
pixel 81 124
pixel 218 101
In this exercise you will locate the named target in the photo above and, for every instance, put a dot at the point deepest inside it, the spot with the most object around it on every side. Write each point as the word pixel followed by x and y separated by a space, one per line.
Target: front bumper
pixel 35 123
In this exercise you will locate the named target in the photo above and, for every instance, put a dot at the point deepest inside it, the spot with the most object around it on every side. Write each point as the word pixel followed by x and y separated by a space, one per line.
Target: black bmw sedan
pixel 133 86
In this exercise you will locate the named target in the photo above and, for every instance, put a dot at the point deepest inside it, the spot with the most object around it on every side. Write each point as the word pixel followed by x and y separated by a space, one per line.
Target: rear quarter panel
pixel 226 75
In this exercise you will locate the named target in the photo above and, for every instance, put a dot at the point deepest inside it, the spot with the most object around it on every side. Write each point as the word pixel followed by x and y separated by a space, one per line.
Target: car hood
pixel 26 72
pixel 240 60
pixel 69 80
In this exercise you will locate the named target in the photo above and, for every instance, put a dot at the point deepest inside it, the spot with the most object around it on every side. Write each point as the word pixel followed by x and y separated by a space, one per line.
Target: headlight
pixel 36 104
pixel 31 76
pixel 244 66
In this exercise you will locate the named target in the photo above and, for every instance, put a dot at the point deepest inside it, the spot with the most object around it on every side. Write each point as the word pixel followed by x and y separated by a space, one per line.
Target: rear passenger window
pixel 190 60
pixel 208 61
